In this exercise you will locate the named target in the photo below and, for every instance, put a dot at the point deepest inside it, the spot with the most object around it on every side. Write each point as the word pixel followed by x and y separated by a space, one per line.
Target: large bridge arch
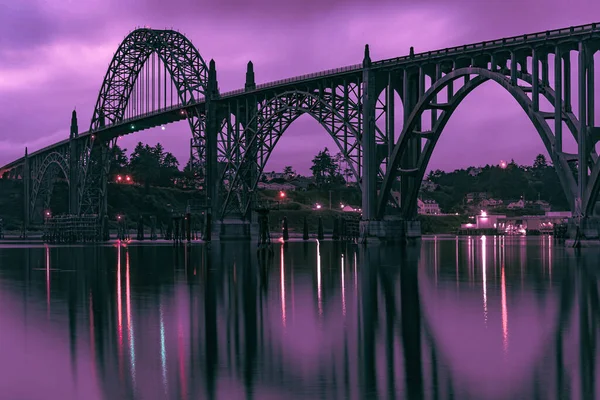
pixel 338 116
pixel 478 77
pixel 189 74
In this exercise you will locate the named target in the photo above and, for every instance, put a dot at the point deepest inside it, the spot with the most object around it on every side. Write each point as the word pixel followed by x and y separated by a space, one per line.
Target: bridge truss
pixel 158 77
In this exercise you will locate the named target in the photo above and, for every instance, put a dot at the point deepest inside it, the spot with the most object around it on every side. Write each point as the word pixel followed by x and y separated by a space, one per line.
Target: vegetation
pixel 536 182
pixel 161 187
pixel 148 165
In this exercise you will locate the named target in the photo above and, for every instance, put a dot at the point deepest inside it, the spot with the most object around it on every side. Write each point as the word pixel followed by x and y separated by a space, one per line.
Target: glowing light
pixel 483 214
pixel 129 321
pixel 132 126
pixel 503 164
pixel 504 312
pixel 283 318
pixel 163 127
pixel 163 350
pixel 119 178
pixel 282 194
pixel 483 266
pixel 318 206
pixel 469 225
pixel 341 206
pixel 118 217
pixel 319 278
pixel 128 178
pixel 119 307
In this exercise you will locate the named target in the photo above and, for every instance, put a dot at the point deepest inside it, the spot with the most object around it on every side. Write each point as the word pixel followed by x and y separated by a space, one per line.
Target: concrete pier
pixel 389 230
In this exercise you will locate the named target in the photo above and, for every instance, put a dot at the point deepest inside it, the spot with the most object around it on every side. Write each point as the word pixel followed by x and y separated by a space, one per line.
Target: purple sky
pixel 54 54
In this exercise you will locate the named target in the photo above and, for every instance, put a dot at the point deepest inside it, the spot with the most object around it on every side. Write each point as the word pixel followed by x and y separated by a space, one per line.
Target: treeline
pixel 150 166
pixel 536 182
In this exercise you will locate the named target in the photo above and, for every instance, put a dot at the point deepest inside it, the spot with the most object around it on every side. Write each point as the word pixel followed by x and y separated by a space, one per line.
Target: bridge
pixel 157 77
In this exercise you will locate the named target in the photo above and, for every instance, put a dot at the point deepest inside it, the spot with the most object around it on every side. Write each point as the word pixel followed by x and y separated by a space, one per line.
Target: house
pixel 428 186
pixel 543 205
pixel 491 203
pixel 275 186
pixel 269 176
pixel 476 197
pixel 348 208
pixel 301 182
pixel 429 207
pixel 516 204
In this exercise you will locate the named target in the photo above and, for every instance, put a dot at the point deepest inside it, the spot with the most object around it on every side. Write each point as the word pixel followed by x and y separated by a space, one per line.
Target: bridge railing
pixel 296 79
pixel 555 34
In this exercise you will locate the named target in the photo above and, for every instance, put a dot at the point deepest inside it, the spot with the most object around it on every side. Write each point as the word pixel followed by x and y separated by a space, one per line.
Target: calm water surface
pixel 468 318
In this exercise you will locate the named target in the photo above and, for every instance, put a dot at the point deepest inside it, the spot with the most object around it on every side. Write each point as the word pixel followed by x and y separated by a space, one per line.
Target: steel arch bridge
pixel 158 77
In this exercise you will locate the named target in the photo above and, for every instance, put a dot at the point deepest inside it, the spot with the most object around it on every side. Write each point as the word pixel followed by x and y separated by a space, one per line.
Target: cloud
pixel 53 55
pixel 13 149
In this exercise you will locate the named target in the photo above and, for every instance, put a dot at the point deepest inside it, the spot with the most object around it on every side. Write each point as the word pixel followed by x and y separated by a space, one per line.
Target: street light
pixel 282 194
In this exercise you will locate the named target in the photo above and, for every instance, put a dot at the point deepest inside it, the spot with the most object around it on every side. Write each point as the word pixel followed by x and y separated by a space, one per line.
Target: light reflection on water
pixel 473 317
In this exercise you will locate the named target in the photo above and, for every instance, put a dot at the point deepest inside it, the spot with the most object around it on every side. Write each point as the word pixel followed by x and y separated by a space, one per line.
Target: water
pixel 478 318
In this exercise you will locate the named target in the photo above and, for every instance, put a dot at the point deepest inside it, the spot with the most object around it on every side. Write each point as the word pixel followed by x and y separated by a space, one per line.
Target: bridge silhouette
pixel 157 77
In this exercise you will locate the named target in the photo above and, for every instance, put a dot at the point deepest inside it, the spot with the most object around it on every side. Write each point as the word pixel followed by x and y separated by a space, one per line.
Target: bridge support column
pixel 211 138
pixel 251 110
pixel 411 93
pixel 558 100
pixel 105 148
pixel 582 151
pixel 369 146
pixel 73 167
pixel 26 189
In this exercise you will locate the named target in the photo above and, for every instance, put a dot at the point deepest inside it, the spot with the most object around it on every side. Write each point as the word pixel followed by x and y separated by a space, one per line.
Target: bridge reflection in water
pixel 475 317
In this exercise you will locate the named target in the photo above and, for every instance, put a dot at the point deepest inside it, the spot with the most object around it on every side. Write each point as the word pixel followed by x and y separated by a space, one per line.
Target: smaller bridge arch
pixel 45 172
pixel 262 133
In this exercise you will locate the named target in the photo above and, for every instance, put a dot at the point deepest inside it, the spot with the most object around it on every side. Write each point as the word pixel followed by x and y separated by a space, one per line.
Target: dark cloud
pixel 54 54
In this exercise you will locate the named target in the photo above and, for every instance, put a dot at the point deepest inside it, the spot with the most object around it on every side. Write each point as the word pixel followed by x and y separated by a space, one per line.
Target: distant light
pixel 341 206
pixel 119 178
pixel 282 194
pixel 456 214
pixel 93 137
pixel 483 214
pixel 503 164
pixel 118 217
pixel 128 178
pixel 318 206
pixel 132 126
pixel 163 127
pixel 469 225
pixel 182 112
